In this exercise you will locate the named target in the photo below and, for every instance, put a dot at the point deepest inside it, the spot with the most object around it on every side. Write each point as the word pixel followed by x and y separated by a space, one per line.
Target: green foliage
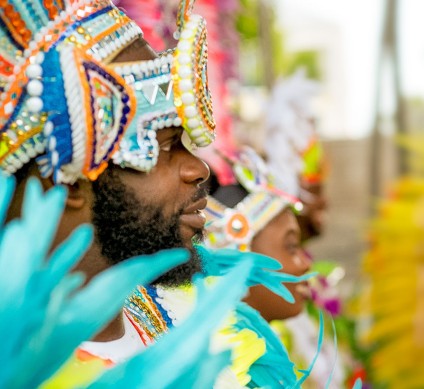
pixel 284 63
pixel 247 21
pixel 308 59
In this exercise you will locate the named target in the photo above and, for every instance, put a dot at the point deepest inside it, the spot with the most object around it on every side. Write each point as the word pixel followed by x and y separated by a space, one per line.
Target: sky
pixel 348 32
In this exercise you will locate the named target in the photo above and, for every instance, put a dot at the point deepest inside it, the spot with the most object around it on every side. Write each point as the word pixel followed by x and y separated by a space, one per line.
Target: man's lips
pixel 193 216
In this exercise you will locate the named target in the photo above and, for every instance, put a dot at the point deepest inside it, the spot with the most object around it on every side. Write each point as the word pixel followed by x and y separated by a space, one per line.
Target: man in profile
pixel 68 108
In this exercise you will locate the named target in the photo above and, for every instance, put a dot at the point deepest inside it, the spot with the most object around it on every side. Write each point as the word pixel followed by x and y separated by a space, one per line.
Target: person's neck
pixel 114 330
pixel 91 265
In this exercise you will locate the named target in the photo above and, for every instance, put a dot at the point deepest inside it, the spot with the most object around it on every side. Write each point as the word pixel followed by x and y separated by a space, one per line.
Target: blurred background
pixel 363 64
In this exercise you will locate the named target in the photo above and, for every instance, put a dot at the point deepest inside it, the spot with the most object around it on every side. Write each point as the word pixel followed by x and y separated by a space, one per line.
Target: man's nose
pixel 193 170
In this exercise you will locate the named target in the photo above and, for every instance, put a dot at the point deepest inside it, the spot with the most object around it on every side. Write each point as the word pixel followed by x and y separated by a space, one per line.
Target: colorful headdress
pixel 171 91
pixel 291 141
pixel 235 227
pixel 61 100
pixel 58 97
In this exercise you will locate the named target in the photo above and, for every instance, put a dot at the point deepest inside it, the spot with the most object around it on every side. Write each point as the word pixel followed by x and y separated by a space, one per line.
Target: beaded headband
pixel 235 227
pixel 63 101
pixel 171 91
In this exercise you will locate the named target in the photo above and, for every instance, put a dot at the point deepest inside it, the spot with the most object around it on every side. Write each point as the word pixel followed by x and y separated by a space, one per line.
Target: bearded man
pixel 68 109
pixel 88 104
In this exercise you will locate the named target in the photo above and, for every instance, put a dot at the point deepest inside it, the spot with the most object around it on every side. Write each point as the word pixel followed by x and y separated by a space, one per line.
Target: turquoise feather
pixel 274 369
pixel 181 359
pixel 44 313
pixel 264 271
pixel 306 373
pixel 7 185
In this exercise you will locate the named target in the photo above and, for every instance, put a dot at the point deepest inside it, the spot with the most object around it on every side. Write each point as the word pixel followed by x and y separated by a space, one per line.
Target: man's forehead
pixel 139 50
pixel 172 132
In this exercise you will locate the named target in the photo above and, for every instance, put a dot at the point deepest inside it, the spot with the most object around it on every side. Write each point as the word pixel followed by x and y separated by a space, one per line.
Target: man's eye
pixel 167 146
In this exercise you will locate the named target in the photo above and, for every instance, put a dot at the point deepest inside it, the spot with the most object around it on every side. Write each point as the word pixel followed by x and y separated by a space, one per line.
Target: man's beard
pixel 125 228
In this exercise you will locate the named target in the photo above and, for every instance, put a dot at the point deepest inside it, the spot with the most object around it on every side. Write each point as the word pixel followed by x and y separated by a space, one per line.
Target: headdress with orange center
pixel 235 227
pixel 64 102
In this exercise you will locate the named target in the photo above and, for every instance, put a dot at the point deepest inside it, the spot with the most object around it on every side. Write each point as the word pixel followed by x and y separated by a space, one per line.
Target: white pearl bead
pixel 193 123
pixel 196 133
pixel 188 98
pixel 186 85
pixel 102 53
pixel 48 128
pixel 184 46
pixel 52 143
pixel 126 70
pixel 31 152
pixel 191 25
pixel 34 71
pixel 34 104
pixel 178 122
pixel 55 158
pixel 184 72
pixel 35 88
pixel 126 156
pixel 190 111
pixel 187 34
pixel 143 67
pixel 184 59
pixel 40 58
pixel 201 140
pixel 145 165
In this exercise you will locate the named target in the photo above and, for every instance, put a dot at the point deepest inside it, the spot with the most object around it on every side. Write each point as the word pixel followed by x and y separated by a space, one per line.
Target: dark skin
pixel 280 239
pixel 171 184
pixel 311 220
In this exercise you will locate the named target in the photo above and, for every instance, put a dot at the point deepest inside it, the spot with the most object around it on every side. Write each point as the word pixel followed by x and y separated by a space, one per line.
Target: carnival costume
pixel 235 226
pixel 41 330
pixel 65 104
pixel 258 359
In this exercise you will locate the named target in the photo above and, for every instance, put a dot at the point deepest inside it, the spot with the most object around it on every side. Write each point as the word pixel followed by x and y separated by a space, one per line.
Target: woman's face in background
pixel 281 240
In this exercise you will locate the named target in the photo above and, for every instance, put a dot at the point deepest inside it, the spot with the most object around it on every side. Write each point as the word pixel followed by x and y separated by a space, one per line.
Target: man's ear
pixel 77 195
